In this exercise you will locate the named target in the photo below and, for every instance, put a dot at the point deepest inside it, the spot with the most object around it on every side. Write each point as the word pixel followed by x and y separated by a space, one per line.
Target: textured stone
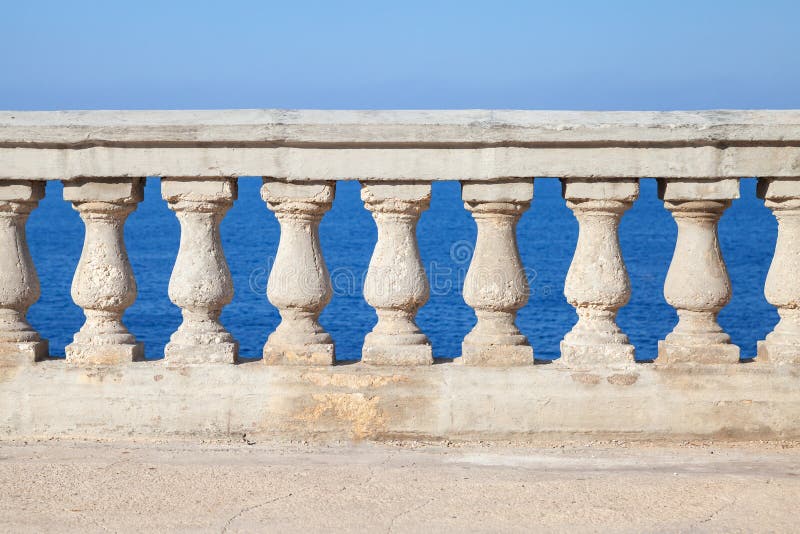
pixel 104 285
pixel 597 282
pixel 488 354
pixel 782 289
pixel 299 284
pixel 445 401
pixel 201 283
pixel 496 285
pixel 396 284
pixel 464 145
pixel 577 356
pixel 697 283
pixel 20 344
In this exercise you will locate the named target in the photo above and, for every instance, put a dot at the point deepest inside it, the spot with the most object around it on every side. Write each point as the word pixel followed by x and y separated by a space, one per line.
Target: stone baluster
pixel 104 285
pixel 597 283
pixel 782 288
pixel 496 285
pixel 396 284
pixel 20 344
pixel 299 284
pixel 201 283
pixel 697 283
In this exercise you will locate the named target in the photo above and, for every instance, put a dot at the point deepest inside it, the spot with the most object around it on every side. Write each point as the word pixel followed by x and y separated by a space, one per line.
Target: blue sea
pixel 547 234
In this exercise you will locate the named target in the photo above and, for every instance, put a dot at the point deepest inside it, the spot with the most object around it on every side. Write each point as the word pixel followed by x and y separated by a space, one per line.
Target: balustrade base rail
pixel 438 402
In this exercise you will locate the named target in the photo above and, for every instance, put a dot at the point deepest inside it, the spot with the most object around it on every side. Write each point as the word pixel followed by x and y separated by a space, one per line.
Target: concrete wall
pixel 443 401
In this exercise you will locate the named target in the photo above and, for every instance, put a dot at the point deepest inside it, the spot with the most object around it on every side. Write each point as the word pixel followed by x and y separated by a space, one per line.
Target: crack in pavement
pixel 406 512
pixel 373 469
pixel 250 508
pixel 719 510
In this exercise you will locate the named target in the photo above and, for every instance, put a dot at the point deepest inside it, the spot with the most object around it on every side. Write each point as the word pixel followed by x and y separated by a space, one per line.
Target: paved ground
pixel 235 487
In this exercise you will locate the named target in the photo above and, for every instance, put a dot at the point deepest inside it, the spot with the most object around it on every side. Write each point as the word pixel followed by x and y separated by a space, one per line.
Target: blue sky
pixel 402 54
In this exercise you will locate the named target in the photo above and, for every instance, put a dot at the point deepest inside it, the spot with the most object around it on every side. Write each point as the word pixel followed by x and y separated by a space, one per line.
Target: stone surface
pixel 94 353
pixel 400 145
pixel 299 354
pixel 216 348
pixel 697 283
pixel 23 352
pixel 692 128
pixel 687 189
pixel 408 487
pixel 576 356
pixel 597 282
pixel 445 401
pixel 778 353
pixel 109 190
pixel 496 285
pixel 201 283
pixel 380 351
pixel 500 355
pixel 782 289
pixel 499 191
pixel 708 353
pixel 396 284
pixel 104 285
pixel 299 284
pixel 20 344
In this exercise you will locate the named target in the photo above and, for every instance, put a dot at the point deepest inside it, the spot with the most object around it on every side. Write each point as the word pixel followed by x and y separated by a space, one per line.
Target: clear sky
pixel 608 54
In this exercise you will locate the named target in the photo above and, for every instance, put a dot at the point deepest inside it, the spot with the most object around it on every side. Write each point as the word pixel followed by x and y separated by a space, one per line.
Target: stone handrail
pixel 103 157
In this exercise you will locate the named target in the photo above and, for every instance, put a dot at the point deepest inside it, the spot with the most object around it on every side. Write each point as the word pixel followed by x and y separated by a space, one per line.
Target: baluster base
pixel 495 355
pixel 402 355
pixel 17 354
pixel 710 353
pixel 312 354
pixel 575 356
pixel 222 352
pixel 777 353
pixel 83 354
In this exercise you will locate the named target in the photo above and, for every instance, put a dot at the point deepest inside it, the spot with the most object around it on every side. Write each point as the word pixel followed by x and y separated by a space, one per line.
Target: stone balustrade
pixel 103 157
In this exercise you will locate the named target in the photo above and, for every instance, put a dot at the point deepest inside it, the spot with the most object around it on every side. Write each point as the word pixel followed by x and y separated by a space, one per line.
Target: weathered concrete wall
pixel 443 401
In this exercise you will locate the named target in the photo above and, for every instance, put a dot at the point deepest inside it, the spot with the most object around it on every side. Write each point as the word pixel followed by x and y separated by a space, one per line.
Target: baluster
pixel 201 283
pixel 299 284
pixel 782 289
pixel 496 285
pixel 697 283
pixel 597 283
pixel 20 344
pixel 396 284
pixel 104 285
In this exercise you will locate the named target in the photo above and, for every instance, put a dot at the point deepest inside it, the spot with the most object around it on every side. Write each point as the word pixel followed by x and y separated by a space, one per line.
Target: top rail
pixel 399 145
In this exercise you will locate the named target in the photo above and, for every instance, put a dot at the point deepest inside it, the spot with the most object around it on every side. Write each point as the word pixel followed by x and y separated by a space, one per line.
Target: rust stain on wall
pixel 360 412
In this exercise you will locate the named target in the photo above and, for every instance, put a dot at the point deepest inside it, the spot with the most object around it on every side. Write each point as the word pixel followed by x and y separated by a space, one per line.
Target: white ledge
pixel 399 145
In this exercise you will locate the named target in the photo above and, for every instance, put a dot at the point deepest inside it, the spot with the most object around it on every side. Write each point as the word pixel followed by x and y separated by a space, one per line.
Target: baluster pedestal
pixel 597 283
pixel 697 283
pixel 20 344
pixel 104 285
pixel 496 285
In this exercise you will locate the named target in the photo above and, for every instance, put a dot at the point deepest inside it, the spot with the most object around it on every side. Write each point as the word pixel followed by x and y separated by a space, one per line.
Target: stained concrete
pixel 442 401
pixel 403 487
